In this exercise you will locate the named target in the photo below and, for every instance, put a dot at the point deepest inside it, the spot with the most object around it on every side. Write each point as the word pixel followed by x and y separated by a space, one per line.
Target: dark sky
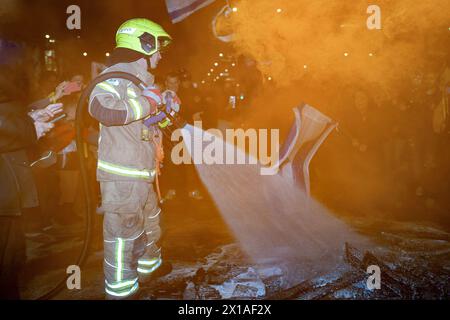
pixel 29 19
pixel 193 44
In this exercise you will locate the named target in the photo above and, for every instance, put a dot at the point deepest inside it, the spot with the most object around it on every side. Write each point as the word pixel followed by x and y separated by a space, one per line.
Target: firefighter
pixel 127 160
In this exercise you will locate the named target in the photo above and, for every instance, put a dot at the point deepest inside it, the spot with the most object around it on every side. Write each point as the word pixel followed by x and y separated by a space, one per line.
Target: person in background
pixel 53 97
pixel 172 82
pixel 64 194
pixel 19 130
pixel 249 78
pixel 190 96
pixel 169 178
pixel 191 111
pixel 55 188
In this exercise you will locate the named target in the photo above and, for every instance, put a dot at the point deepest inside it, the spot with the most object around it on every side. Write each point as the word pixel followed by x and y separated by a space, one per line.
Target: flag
pixel 308 132
pixel 181 9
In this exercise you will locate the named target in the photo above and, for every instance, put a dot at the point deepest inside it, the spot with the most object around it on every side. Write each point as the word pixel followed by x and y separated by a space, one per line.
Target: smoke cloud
pixel 322 52
pixel 329 39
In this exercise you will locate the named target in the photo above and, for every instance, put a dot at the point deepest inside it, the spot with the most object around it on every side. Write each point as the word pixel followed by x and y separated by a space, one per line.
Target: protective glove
pixel 159 118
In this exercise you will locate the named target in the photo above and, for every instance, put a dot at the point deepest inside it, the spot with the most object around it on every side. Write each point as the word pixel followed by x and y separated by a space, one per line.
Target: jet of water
pixel 272 219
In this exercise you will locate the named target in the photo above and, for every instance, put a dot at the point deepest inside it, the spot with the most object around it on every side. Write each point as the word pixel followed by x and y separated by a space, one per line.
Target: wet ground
pixel 207 263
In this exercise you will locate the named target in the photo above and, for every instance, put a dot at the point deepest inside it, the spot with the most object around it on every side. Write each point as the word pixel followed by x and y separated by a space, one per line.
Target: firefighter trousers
pixel 131 232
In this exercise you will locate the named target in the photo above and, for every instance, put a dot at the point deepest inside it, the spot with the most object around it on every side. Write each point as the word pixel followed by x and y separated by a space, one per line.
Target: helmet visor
pixel 148 42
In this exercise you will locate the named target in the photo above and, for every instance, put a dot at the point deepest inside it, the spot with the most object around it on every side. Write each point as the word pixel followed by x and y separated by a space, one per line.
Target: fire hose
pixel 83 156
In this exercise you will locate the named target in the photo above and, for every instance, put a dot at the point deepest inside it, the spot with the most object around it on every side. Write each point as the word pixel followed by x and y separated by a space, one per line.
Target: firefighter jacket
pixel 125 150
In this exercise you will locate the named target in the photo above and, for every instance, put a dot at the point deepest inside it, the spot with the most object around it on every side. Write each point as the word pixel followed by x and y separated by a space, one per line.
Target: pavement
pixel 209 264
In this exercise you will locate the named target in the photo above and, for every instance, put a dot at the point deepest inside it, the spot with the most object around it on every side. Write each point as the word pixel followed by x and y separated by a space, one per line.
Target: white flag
pixel 181 9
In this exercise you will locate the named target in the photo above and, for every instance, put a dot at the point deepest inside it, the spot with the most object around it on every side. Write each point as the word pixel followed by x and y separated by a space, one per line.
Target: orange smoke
pixel 329 39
